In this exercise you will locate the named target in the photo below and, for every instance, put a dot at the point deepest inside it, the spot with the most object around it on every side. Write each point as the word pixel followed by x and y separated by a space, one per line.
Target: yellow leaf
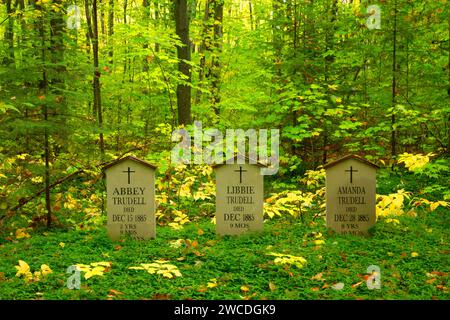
pixel 161 261
pixel 393 221
pixel 434 205
pixel 62 244
pixel 21 233
pixel 97 271
pixel 212 283
pixel 177 273
pixel 414 254
pixel 45 269
pixel 245 289
pixel 37 275
pixel 22 269
pixel 167 275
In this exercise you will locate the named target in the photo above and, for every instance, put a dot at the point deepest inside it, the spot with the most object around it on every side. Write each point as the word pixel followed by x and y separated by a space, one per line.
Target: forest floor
pixel 412 254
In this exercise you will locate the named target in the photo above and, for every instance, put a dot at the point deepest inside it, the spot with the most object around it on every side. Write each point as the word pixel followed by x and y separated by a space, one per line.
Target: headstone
pixel 351 195
pixel 239 198
pixel 130 188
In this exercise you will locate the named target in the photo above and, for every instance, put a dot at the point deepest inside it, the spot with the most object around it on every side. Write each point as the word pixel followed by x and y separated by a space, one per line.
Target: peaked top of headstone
pixel 247 161
pixel 117 161
pixel 350 156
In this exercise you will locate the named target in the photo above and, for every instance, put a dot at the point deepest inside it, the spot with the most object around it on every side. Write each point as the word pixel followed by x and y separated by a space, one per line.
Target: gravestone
pixel 130 188
pixel 351 195
pixel 239 198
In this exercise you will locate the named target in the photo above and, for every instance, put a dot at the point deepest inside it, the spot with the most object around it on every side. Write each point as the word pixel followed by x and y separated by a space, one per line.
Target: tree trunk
pixel 394 85
pixel 184 57
pixel 9 34
pixel 146 6
pixel 216 68
pixel 448 89
pixel 250 9
pixel 96 80
pixel 156 23
pixel 89 34
pixel 111 30
pixel 204 47
pixel 43 86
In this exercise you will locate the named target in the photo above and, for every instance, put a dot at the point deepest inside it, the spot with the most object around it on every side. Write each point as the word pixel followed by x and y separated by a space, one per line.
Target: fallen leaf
pixel 272 286
pixel 161 296
pixel 318 277
pixel 200 232
pixel 430 281
pixel 438 273
pixel 245 289
pixel 414 254
pixel 197 253
pixel 357 284
pixel 315 289
pixel 338 286
pixel 212 283
pixel 115 292
pixel 62 244
pixel 45 269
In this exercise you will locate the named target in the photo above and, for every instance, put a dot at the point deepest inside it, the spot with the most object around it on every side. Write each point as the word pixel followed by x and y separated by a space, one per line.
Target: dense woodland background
pixel 72 99
pixel 76 96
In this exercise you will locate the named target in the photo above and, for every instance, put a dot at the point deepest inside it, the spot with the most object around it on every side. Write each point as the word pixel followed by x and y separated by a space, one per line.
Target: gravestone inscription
pixel 239 198
pixel 351 195
pixel 130 187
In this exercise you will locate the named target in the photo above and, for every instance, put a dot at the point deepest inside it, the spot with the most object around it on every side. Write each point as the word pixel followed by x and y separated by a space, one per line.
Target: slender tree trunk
pixel 216 67
pixel 250 9
pixel 89 34
pixel 204 47
pixel 394 85
pixel 184 57
pixel 102 21
pixel 277 37
pixel 448 89
pixel 111 30
pixel 43 86
pixel 96 80
pixel 329 59
pixel 146 5
pixel 9 34
pixel 156 23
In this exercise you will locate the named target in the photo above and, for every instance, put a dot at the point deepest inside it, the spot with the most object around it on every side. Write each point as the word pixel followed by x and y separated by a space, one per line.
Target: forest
pixel 86 82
